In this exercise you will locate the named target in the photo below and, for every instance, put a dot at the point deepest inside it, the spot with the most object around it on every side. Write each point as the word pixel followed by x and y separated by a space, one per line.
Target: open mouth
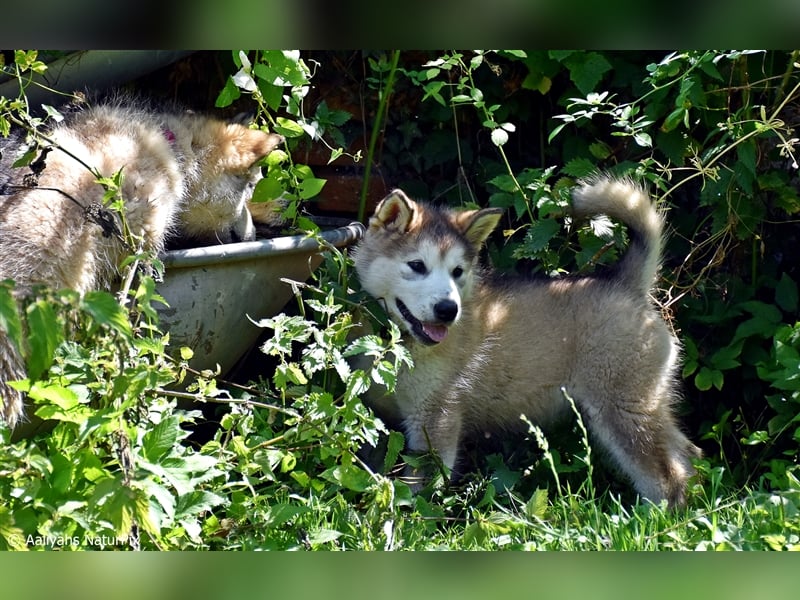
pixel 428 333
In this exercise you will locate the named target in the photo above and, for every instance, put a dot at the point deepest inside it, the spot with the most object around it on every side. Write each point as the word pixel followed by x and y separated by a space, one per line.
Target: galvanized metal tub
pixel 211 291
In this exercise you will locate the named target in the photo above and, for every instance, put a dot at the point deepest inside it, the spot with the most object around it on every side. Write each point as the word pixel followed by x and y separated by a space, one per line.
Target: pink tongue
pixel 436 332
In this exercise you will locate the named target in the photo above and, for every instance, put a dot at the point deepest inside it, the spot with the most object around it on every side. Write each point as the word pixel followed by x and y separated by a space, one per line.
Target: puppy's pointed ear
pixel 396 211
pixel 477 225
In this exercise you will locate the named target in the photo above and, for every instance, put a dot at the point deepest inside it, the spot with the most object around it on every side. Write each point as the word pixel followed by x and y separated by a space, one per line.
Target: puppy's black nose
pixel 446 311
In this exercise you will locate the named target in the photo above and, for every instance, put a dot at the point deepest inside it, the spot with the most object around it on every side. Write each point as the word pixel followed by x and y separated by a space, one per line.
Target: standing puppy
pixel 182 174
pixel 488 349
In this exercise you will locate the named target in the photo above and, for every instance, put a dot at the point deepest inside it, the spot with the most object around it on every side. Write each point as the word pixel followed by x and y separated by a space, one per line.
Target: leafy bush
pixel 283 463
pixel 714 134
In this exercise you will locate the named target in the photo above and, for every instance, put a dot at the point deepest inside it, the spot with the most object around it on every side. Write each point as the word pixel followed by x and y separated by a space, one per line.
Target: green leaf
pixel 289 373
pixel 323 536
pixel 394 446
pixel 272 94
pixel 62 472
pixel 288 128
pixel 561 55
pixel 432 90
pixel 674 119
pixel 728 357
pixel 536 507
pixel 674 145
pixel 709 68
pixel 45 334
pixel 228 94
pixel 196 502
pixel 160 440
pixel 600 150
pixel 706 378
pixel 746 153
pixel 762 310
pixel 282 513
pixel 368 344
pixel 504 183
pixel 267 189
pixel 579 167
pixel 357 384
pixel 105 309
pixel 538 237
pixel 786 293
pixel 586 70
pixel 62 397
pixel 643 139
pixel 349 476
pixel 311 187
pixel 26 159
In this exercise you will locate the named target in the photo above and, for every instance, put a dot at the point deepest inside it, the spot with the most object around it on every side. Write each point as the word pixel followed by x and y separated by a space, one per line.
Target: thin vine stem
pixel 377 126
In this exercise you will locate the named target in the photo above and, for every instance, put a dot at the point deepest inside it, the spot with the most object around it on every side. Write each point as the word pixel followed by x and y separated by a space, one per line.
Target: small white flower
pixel 243 79
pixel 499 136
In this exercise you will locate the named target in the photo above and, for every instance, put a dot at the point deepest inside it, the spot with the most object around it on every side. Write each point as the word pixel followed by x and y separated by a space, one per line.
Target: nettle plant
pixel 278 81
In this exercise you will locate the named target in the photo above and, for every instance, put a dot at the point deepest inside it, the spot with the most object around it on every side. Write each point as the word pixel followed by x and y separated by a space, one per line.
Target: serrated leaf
pixel 161 439
pixel 323 536
pixel 394 446
pixel 505 183
pixel 536 507
pixel 746 152
pixel 368 344
pixel 289 373
pixel 579 167
pixel 196 502
pixel 105 309
pixel 383 373
pixel 600 150
pixel 586 69
pixel 44 335
pixel 357 384
pixel 538 237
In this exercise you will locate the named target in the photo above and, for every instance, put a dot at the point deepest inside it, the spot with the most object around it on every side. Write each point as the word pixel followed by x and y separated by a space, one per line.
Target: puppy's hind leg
pixel 646 444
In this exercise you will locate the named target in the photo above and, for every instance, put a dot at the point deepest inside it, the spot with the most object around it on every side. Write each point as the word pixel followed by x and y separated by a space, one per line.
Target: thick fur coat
pixel 182 174
pixel 488 348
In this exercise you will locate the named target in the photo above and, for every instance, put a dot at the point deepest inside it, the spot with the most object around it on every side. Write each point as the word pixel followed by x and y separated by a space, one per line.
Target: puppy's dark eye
pixel 458 272
pixel 417 266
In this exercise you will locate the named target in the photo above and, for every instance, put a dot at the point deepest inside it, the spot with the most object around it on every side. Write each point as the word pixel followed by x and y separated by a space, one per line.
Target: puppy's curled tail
pixel 625 201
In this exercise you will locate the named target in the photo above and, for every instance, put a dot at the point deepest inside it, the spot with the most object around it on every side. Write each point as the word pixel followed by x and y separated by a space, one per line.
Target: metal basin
pixel 212 291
